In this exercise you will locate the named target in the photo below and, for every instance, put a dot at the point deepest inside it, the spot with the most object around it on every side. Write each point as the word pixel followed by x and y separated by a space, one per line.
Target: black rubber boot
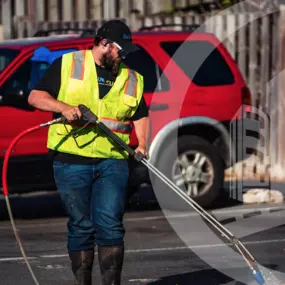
pixel 111 263
pixel 82 263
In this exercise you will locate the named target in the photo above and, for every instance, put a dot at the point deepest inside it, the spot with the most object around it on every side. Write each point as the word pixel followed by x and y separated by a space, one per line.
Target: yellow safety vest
pixel 79 85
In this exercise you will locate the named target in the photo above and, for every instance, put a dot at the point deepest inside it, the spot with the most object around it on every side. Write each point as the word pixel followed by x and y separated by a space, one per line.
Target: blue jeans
pixel 94 199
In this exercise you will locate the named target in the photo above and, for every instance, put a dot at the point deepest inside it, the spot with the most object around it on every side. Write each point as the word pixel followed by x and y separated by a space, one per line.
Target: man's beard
pixel 110 63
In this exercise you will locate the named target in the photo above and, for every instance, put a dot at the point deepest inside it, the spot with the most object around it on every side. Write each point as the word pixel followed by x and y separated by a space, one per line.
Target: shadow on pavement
pixel 42 205
pixel 48 204
pixel 202 277
pixel 36 206
pixel 210 276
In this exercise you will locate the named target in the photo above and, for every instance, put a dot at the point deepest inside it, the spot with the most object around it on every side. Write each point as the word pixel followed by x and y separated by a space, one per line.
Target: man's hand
pixel 45 102
pixel 142 149
pixel 71 113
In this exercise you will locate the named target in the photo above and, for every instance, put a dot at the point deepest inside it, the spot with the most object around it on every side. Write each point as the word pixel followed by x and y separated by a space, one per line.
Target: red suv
pixel 193 88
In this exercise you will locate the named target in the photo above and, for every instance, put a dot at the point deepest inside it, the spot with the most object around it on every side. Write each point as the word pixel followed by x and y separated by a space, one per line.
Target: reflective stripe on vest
pixel 131 86
pixel 117 126
pixel 78 62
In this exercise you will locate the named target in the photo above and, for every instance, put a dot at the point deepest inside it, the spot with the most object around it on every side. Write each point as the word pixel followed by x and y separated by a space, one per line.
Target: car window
pixel 6 57
pixel 201 61
pixel 23 80
pixel 25 77
pixel 154 78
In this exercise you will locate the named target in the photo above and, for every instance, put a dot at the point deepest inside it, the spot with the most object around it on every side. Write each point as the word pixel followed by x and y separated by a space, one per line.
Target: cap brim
pixel 129 48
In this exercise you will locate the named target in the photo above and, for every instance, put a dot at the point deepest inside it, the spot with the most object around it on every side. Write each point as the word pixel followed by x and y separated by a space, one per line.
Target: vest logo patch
pixel 102 81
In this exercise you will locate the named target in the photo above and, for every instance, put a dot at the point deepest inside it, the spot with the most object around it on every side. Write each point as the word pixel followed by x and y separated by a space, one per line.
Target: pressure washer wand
pixel 218 226
pixel 92 118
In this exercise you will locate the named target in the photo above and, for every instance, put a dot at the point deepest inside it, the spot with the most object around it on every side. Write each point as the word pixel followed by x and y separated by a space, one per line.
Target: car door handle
pixel 158 107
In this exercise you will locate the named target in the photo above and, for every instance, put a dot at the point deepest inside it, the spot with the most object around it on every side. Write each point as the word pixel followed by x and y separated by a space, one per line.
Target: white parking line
pixel 53 256
pixel 4 259
pixel 144 280
pixel 14 258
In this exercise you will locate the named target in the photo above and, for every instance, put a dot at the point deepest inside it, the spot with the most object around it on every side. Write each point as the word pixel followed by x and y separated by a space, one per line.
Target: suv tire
pixel 204 152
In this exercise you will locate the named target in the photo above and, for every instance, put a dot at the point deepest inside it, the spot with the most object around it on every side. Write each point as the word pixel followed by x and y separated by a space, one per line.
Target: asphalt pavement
pixel 157 244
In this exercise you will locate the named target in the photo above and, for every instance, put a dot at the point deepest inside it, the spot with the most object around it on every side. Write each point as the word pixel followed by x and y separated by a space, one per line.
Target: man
pixel 90 170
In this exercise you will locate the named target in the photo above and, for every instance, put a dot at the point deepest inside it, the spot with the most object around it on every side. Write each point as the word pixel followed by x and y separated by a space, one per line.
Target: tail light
pixel 246 98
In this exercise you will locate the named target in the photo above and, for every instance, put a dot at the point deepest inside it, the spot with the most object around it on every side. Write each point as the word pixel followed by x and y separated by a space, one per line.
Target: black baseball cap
pixel 118 32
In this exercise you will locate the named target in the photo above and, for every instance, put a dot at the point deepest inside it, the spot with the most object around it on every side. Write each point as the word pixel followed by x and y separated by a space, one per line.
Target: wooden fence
pixel 19 17
pixel 15 13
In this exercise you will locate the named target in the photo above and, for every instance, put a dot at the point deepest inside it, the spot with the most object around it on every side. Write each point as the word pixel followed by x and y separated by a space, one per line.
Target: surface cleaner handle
pixel 92 118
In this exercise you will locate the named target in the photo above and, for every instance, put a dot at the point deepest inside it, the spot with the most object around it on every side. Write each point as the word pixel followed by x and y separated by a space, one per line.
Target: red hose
pixel 8 154
pixel 6 194
pixel 5 185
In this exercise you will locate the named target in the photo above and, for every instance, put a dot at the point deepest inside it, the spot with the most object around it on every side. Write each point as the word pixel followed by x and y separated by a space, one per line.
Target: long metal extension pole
pixel 92 118
pixel 216 224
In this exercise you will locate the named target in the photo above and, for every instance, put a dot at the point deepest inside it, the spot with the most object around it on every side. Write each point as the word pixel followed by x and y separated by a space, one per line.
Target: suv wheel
pixel 197 170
